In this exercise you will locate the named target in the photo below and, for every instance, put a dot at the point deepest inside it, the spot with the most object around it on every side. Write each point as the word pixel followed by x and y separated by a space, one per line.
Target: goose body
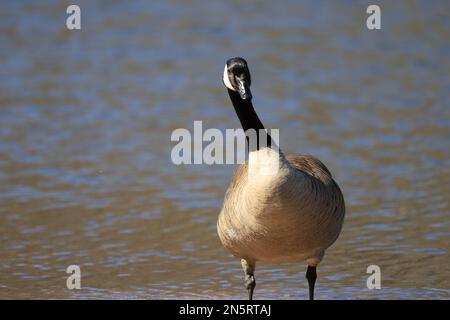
pixel 294 216
pixel 290 215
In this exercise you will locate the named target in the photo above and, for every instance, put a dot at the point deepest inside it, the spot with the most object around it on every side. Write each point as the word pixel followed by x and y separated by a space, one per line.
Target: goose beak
pixel 244 90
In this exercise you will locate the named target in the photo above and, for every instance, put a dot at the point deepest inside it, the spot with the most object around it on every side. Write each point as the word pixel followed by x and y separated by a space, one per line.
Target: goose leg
pixel 250 283
pixel 311 276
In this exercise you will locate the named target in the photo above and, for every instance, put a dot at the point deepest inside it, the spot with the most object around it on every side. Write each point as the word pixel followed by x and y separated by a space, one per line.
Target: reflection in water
pixel 85 124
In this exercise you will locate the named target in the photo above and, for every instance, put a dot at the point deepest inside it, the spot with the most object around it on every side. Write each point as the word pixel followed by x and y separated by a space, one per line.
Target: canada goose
pixel 292 215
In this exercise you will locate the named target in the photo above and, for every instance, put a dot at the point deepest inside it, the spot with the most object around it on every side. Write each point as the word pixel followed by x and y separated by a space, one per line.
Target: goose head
pixel 236 77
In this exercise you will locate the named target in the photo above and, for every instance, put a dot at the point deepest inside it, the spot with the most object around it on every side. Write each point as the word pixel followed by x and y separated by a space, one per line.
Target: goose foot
pixel 311 276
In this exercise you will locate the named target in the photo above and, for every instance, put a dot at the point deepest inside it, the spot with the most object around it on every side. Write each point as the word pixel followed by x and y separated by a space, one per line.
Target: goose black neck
pixel 248 118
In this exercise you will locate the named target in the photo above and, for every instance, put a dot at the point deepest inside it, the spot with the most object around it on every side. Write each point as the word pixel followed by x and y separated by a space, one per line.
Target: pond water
pixel 86 117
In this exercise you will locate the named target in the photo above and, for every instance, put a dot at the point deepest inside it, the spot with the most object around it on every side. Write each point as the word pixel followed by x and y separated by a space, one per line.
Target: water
pixel 85 124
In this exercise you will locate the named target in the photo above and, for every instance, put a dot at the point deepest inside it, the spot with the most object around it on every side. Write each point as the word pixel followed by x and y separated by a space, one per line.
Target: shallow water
pixel 86 117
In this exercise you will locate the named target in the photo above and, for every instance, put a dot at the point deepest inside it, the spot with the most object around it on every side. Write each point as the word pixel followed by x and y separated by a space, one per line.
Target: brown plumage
pixel 298 216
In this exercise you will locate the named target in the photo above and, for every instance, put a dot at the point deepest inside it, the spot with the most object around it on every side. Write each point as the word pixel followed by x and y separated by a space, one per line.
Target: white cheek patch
pixel 226 80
